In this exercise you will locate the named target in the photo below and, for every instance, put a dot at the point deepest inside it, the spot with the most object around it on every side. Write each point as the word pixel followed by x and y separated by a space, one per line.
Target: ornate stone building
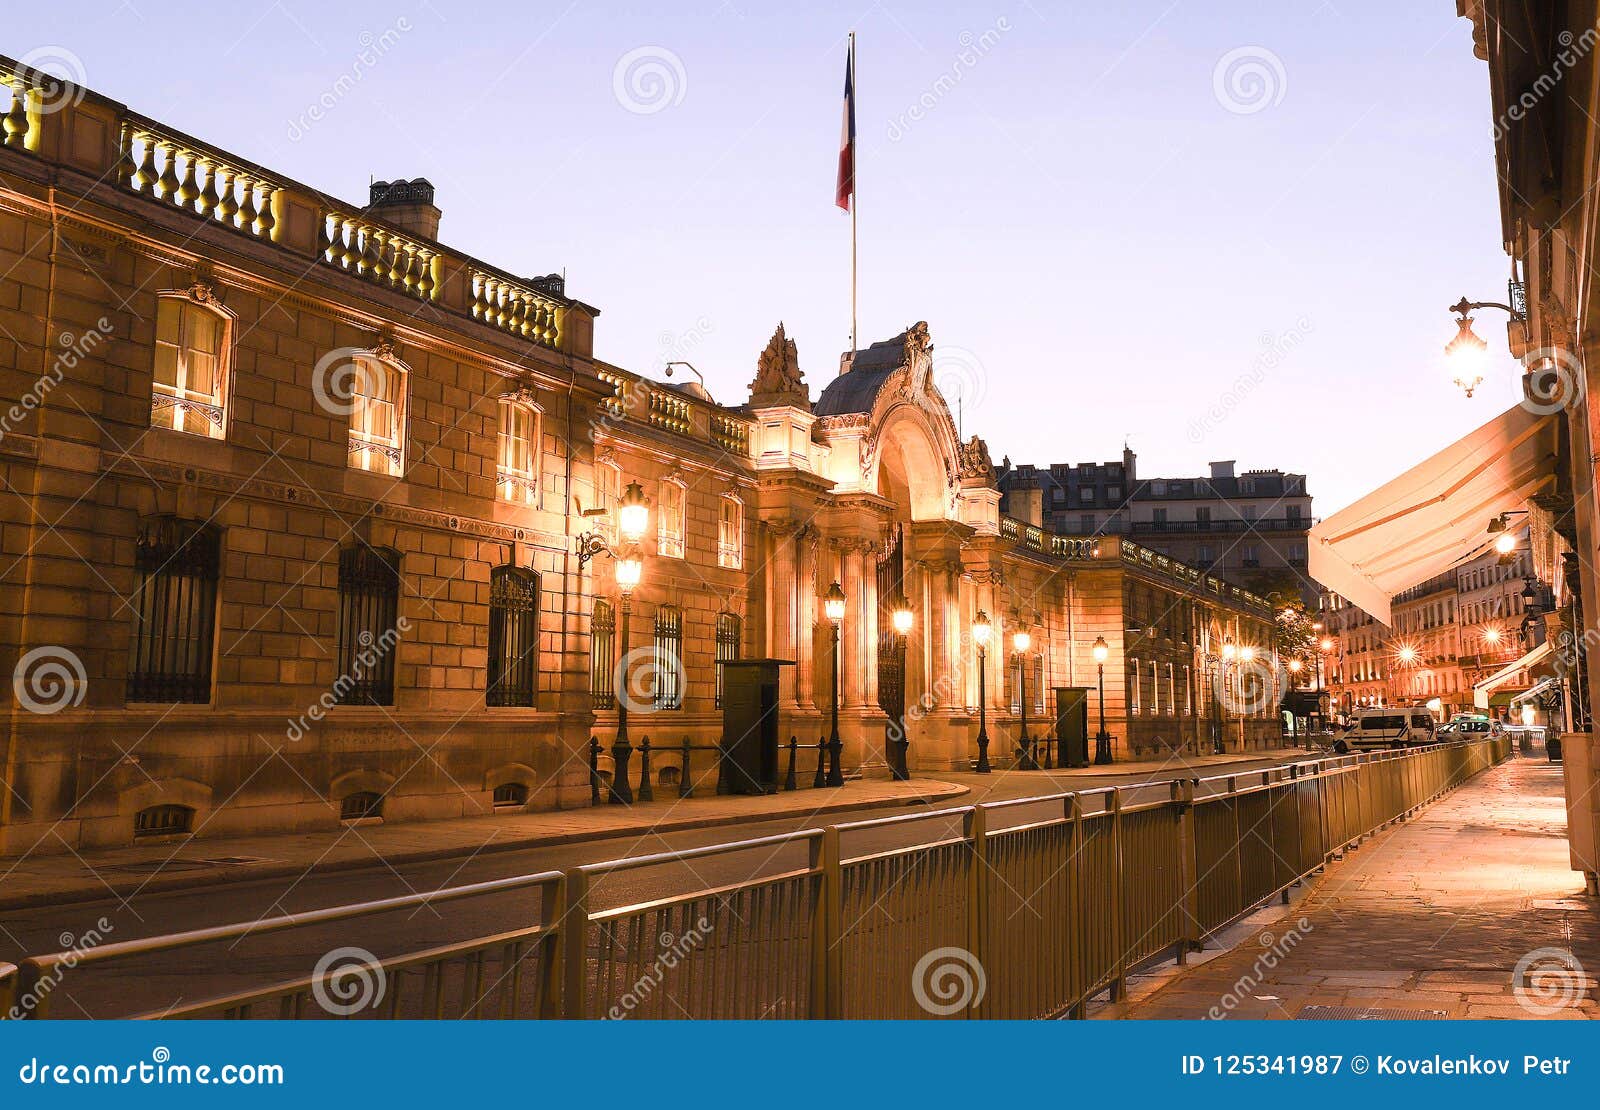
pixel 308 518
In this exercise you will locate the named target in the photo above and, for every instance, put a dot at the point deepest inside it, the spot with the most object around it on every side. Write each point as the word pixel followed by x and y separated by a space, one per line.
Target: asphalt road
pixel 148 983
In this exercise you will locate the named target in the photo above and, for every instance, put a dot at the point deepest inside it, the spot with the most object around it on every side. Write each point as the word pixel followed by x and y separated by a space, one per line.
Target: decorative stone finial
pixel 779 380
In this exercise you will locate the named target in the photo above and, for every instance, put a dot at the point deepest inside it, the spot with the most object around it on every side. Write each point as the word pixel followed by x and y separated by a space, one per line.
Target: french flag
pixel 846 188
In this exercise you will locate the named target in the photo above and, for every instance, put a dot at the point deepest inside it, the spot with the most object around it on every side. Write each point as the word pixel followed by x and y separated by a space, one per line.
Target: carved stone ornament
pixel 918 358
pixel 779 379
pixel 975 461
pixel 202 285
pixel 385 346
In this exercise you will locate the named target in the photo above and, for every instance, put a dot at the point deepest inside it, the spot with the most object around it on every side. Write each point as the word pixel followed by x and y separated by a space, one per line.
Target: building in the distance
pixel 1249 528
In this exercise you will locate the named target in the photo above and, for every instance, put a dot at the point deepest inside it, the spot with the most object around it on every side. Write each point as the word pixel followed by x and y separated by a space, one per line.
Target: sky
pixel 1213 230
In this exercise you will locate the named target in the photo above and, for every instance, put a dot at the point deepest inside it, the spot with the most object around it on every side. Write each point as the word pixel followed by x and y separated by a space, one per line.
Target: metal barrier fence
pixel 1014 909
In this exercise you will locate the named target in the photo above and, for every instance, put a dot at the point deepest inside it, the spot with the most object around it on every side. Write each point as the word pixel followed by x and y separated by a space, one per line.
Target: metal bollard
pixel 685 783
pixel 646 791
pixel 788 780
pixel 821 778
pixel 594 770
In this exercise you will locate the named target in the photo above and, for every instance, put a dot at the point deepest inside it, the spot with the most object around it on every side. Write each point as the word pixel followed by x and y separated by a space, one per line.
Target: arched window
pixel 729 641
pixel 730 533
pixel 513 676
pixel 670 504
pixel 369 633
pixel 178 563
pixel 602 653
pixel 521 428
pixel 163 820
pixel 190 387
pixel 377 414
pixel 669 657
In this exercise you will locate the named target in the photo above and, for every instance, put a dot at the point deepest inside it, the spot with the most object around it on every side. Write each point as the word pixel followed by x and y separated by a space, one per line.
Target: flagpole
pixel 855 202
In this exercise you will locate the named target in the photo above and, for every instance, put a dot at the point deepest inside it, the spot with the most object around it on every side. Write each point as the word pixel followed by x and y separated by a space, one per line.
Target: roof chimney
pixel 1223 469
pixel 408 205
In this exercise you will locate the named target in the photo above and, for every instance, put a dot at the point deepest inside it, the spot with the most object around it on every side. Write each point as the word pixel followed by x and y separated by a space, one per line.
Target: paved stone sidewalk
pixel 61 878
pixel 1430 915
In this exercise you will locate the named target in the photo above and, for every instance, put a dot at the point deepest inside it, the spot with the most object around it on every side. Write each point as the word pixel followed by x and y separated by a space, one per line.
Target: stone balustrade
pixel 511 306
pixel 378 254
pixel 172 169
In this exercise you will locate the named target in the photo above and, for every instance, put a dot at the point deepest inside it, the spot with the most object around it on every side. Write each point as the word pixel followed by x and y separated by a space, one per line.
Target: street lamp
pixel 1102 739
pixel 1021 641
pixel 900 619
pixel 1230 653
pixel 633 513
pixel 981 631
pixel 630 569
pixel 1465 353
pixel 833 607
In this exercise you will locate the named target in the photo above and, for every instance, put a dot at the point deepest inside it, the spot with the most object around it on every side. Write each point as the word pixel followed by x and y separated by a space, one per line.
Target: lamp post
pixel 1246 654
pixel 1324 646
pixel 1229 653
pixel 981 630
pixel 1020 642
pixel 633 516
pixel 1102 739
pixel 833 607
pixel 899 742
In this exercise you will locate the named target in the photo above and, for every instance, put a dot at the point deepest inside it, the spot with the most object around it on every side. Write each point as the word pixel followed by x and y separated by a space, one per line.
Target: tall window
pixel 669 657
pixel 730 533
pixel 607 493
pixel 1038 683
pixel 729 640
pixel 1188 693
pixel 518 469
pixel 602 649
pixel 377 415
pixel 189 392
pixel 670 509
pixel 177 564
pixel 1155 689
pixel 1172 693
pixel 369 633
pixel 513 637
pixel 1133 686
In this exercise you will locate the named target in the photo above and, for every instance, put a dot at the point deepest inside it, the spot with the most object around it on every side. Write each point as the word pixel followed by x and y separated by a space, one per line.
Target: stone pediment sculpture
pixel 975 461
pixel 779 380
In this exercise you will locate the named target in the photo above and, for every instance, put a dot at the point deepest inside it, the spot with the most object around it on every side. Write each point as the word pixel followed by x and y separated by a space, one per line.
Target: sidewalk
pixel 1429 919
pixel 60 879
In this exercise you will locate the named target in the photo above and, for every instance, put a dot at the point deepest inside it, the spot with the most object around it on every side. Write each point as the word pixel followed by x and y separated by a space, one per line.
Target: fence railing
pixel 1024 908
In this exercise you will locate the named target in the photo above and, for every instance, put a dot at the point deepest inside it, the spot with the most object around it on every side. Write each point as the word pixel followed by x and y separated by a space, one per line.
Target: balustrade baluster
pixel 168 181
pixel 188 190
pixel 16 119
pixel 227 202
pixel 208 189
pixel 247 201
pixel 264 222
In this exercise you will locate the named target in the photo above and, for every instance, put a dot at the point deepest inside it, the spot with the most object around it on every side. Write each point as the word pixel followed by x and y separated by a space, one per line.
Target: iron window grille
pixel 177 563
pixel 602 647
pixel 369 600
pixel 363 805
pixel 510 795
pixel 163 820
pixel 513 678
pixel 728 644
pixel 669 658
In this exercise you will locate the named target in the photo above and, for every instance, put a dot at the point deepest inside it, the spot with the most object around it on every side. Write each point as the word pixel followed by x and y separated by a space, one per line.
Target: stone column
pixel 852 635
pixel 937 580
pixel 805 657
pixel 782 620
pixel 869 626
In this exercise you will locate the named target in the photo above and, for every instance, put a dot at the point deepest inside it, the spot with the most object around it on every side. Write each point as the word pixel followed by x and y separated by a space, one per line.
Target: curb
pixel 124 888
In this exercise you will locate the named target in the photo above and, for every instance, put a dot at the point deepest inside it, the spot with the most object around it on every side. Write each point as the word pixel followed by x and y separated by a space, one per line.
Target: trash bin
pixel 1552 746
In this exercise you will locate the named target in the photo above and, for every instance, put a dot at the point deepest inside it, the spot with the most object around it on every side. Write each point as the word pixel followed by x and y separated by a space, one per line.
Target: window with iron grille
pixel 510 795
pixel 369 600
pixel 177 563
pixel 163 820
pixel 728 641
pixel 669 657
pixel 602 650
pixel 513 637
pixel 363 805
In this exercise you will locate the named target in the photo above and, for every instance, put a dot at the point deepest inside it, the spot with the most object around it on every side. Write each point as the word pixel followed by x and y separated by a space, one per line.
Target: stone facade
pixel 331 585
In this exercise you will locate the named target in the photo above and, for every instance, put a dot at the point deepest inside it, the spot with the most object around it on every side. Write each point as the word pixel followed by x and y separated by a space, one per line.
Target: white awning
pixel 1434 515
pixel 1538 688
pixel 1484 687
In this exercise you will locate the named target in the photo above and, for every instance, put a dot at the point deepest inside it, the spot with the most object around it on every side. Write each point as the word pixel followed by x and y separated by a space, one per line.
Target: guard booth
pixel 1072 725
pixel 749 749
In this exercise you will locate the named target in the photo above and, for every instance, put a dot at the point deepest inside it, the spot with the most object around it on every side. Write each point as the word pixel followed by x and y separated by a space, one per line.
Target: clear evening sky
pixel 1224 230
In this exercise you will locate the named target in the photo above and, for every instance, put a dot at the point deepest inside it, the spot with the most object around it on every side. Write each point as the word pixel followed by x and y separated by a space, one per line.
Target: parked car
pixel 1465 726
pixel 1394 727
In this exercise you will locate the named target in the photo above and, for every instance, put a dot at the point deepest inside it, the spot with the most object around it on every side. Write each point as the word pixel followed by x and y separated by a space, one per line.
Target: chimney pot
pixel 407 205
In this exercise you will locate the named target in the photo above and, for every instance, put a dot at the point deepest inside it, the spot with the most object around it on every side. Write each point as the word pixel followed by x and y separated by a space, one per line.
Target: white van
pixel 1395 727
